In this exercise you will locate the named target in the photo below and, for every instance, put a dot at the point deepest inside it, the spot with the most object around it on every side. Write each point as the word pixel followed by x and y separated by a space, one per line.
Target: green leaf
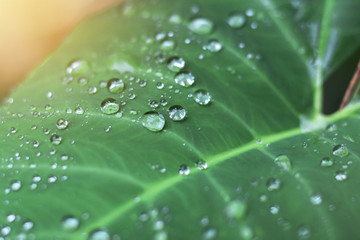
pixel 245 152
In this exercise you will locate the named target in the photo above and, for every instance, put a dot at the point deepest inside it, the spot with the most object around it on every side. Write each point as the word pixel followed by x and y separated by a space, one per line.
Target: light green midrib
pixel 157 188
pixel 324 37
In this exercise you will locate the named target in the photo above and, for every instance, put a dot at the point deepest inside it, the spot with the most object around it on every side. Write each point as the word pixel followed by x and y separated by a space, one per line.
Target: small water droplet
pixel 341 176
pixel 236 20
pixel 340 151
pixel 109 106
pixel 70 223
pixel 167 45
pixel 77 67
pixel 326 162
pixel 209 234
pixel 115 85
pixel 28 225
pixel 235 209
pixel 55 139
pixel 214 46
pixel 62 124
pixel 274 209
pixel 273 184
pixel 153 121
pixel 316 199
pixel 201 26
pixel 176 64
pixel 184 170
pixel 303 232
pixel 201 165
pixel 99 235
pixel 202 97
pixel 177 113
pixel 283 162
pixel 184 79
pixel 16 186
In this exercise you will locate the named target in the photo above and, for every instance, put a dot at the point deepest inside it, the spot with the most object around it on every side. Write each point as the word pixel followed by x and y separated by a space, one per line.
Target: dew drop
pixel 62 124
pixel 177 113
pixel 201 165
pixel 184 170
pixel 99 235
pixel 303 232
pixel 273 184
pixel 283 162
pixel 55 139
pixel 167 45
pixel 16 186
pixel 340 175
pixel 184 79
pixel 236 20
pixel 176 64
pixel 274 209
pixel 153 121
pixel 340 151
pixel 109 106
pixel 70 223
pixel 214 46
pixel 209 234
pixel 28 225
pixel 201 26
pixel 235 209
pixel 326 162
pixel 5 231
pixel 316 199
pixel 77 67
pixel 115 85
pixel 202 97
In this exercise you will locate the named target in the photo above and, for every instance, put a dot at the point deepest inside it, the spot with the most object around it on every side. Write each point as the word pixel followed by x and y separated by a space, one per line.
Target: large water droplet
pixel 236 20
pixel 283 162
pixel 177 113
pixel 62 124
pixel 185 79
pixel 153 121
pixel 109 106
pixel 202 97
pixel 340 151
pixel 115 85
pixel 176 64
pixel 341 176
pixel 235 209
pixel 201 26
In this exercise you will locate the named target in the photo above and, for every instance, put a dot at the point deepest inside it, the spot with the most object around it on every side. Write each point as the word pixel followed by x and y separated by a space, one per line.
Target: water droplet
pixel 99 235
pixel 340 151
pixel 326 162
pixel 55 139
pixel 201 26
pixel 204 221
pixel 70 223
pixel 303 232
pixel 340 175
pixel 274 209
pixel 331 128
pixel 115 85
pixel 83 81
pixel 184 170
pixel 28 225
pixel 153 121
pixel 154 104
pixel 77 67
pixel 176 64
pixel 273 184
pixel 109 106
pixel 79 110
pixel 5 231
pixel 316 199
pixel 167 45
pixel 177 113
pixel 10 218
pixel 209 234
pixel 184 79
pixel 201 165
pixel 214 46
pixel 62 124
pixel 236 20
pixel 16 186
pixel 235 209
pixel 202 97
pixel 283 162
pixel 175 19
